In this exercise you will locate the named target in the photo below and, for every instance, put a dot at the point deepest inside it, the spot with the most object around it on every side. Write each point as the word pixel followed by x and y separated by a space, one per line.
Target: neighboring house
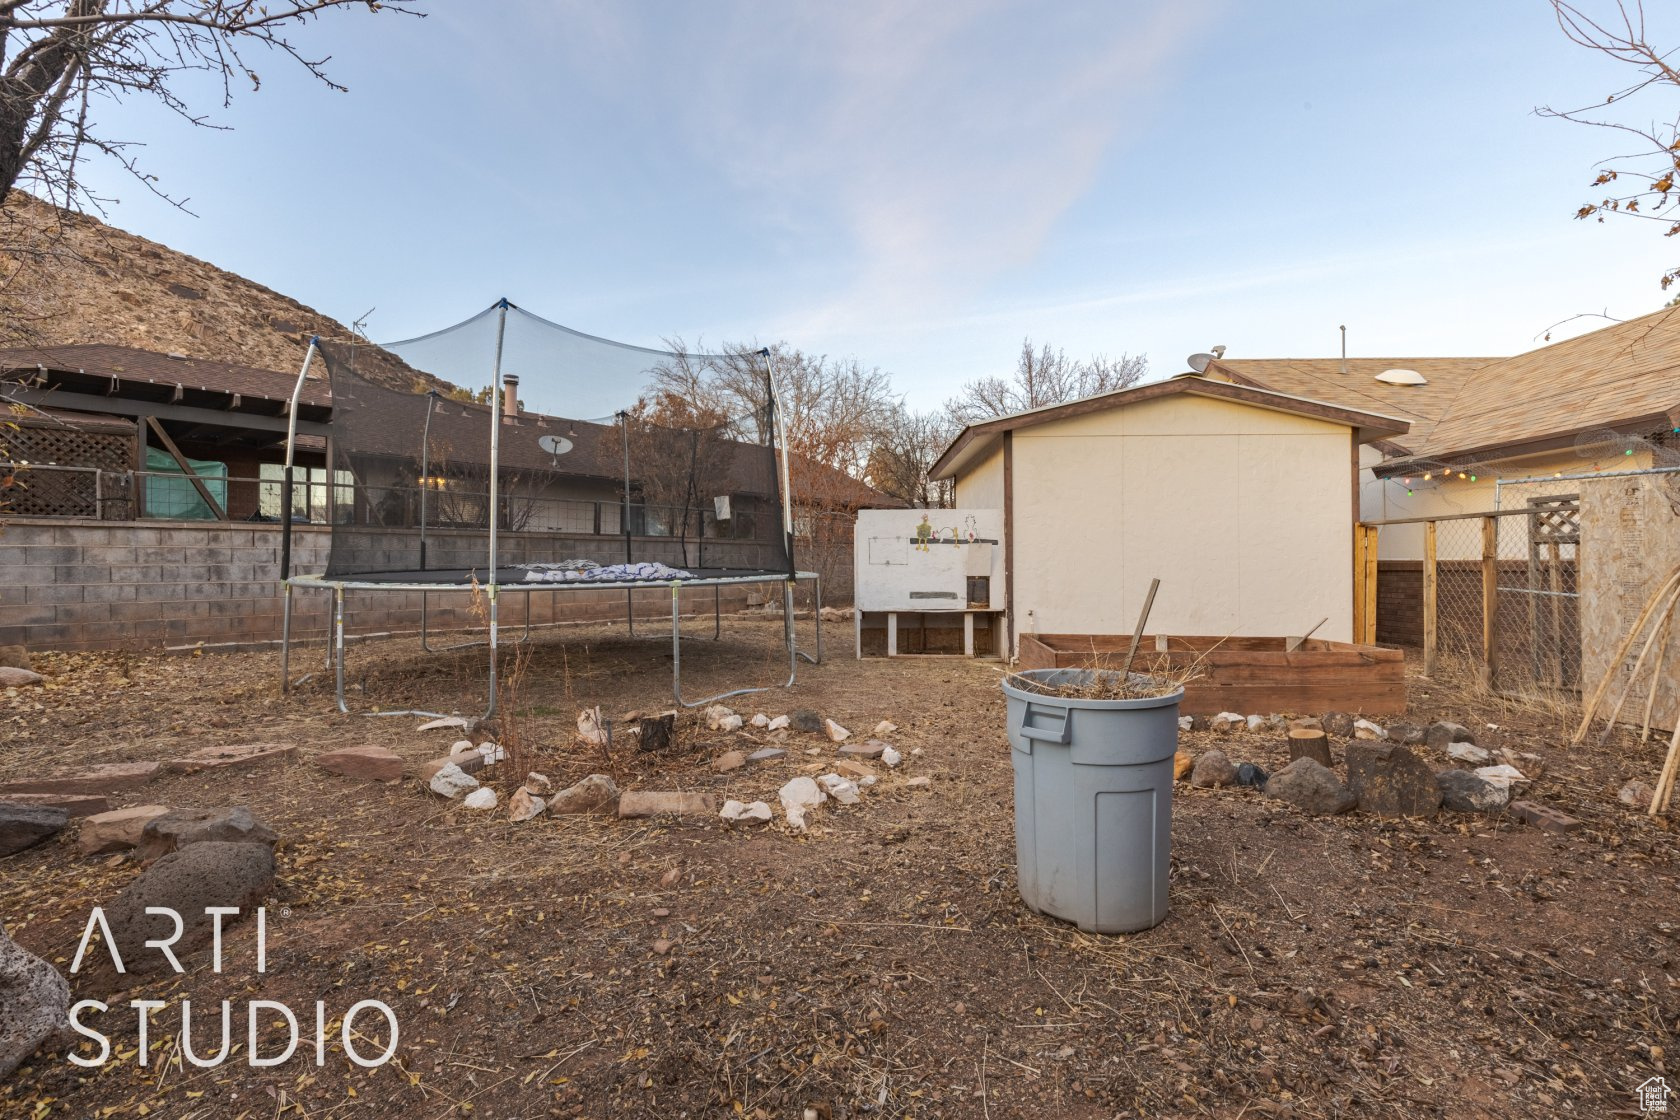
pixel 1241 500
pixel 1603 401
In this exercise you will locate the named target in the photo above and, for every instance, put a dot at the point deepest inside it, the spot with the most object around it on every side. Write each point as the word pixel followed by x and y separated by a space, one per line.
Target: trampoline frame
pixel 341 586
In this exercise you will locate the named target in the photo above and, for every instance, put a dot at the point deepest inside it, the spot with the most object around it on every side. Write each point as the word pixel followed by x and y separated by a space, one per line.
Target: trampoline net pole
pixel 496 422
pixel 286 475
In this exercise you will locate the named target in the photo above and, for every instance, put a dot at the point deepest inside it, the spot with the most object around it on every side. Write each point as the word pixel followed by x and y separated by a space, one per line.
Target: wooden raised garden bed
pixel 1243 675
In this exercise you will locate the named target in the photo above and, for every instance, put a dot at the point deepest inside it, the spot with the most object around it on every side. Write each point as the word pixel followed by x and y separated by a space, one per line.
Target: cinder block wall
pixel 85 585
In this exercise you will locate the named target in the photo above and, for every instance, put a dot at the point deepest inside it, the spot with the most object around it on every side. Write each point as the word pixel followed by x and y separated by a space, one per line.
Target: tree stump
pixel 1308 742
pixel 657 732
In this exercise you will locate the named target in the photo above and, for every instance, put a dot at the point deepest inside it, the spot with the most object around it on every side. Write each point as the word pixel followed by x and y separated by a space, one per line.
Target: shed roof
pixel 976 440
pixel 118 364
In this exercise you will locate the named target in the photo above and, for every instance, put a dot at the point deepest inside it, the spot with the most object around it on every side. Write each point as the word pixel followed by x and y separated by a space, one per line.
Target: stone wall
pixel 83 585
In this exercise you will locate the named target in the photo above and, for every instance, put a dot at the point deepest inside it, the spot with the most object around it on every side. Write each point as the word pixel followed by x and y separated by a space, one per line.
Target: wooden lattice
pixel 72 471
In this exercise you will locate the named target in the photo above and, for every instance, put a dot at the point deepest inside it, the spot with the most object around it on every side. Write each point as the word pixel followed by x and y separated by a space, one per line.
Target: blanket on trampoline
pixel 587 571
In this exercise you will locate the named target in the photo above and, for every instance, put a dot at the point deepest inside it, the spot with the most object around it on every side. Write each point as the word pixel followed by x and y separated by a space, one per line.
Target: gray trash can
pixel 1093 802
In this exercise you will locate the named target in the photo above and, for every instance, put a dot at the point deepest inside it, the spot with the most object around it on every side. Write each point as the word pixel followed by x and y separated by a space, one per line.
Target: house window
pixel 310 498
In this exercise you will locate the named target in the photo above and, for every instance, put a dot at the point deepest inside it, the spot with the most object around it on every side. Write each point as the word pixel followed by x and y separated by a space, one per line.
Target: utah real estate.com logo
pixel 254 1009
pixel 1653 1095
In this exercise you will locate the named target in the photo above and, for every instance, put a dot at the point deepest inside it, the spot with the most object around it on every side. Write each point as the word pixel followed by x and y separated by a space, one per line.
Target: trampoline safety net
pixel 612 470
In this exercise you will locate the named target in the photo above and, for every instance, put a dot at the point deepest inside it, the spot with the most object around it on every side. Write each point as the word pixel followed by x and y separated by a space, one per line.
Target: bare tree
pixel 1042 377
pixel 61 57
pixel 904 454
pixel 1642 182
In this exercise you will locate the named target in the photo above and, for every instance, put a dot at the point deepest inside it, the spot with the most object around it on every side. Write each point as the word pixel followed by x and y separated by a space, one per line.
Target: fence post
pixel 1490 596
pixel 1359 583
pixel 1429 587
pixel 1371 553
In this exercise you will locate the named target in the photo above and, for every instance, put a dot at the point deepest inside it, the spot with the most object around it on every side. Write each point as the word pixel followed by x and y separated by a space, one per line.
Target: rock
pixel 463 746
pixel 715 714
pixel 442 722
pixel 729 760
pixel 1183 761
pixel 1310 742
pixel 1251 776
pixel 920 782
pixel 658 803
pixel 843 790
pixel 852 769
pixel 1198 722
pixel 1311 787
pixel 15 657
pixel 468 762
pixel 118 830
pixel 883 729
pixel 1636 794
pixel 1440 734
pixel 451 781
pixel 491 753
pixel 1306 723
pixel 1227 721
pixel 220 758
pixel 891 757
pixel 597 791
pixel 1531 764
pixel 836 733
pixel 768 754
pixel 1544 817
pixel 34 1004
pixel 369 764
pixel 1255 723
pixel 179 828
pixel 483 799
pixel 799 797
pixel 525 805
pixel 869 748
pixel 11 677
pixel 1406 734
pixel 537 785
pixel 736 812
pixel 591 729
pixel 760 720
pixel 1213 769
pixel 1464 792
pixel 75 804
pixel 1339 724
pixel 1390 781
pixel 780 723
pixel 1185 723
pixel 214 873
pixel 111 778
pixel 1467 752
pixel 804 720
pixel 661 945
pixel 1365 729
pixel 729 723
pixel 1508 778
pixel 24 826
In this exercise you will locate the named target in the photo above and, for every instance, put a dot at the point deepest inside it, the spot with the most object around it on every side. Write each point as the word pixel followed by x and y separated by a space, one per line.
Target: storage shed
pixel 1242 500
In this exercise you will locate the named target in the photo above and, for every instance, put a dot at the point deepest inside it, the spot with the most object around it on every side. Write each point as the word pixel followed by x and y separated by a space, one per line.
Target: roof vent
pixel 1402 377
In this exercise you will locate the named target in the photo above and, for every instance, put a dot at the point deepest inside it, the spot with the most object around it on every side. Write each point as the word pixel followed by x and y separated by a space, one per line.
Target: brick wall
pixel 81 585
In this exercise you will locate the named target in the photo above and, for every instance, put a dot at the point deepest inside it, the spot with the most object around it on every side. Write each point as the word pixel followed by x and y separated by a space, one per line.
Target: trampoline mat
pixel 511 578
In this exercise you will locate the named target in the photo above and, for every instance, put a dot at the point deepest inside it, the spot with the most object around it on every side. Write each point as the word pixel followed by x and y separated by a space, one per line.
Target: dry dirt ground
pixel 882 965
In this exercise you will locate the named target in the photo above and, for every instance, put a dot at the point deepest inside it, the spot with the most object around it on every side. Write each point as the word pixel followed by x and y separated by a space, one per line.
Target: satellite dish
pixel 555 445
pixel 1402 377
pixel 1199 362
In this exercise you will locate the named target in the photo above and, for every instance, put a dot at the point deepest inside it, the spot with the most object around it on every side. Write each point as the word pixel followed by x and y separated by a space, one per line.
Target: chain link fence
pixel 1499 591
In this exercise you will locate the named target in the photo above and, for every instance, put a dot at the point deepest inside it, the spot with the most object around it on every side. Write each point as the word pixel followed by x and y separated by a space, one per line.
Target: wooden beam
pixel 1490 596
pixel 122 406
pixel 1371 551
pixel 186 469
pixel 138 504
pixel 1430 590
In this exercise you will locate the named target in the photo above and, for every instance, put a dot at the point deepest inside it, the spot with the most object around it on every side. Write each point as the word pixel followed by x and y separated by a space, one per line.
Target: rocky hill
pixel 69 278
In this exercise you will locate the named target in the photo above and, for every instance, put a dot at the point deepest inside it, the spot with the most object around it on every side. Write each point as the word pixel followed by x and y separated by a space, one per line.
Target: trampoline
pixel 433 494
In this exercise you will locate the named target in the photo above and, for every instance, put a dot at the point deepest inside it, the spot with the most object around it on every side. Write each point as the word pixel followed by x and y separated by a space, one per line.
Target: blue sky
pixel 923 185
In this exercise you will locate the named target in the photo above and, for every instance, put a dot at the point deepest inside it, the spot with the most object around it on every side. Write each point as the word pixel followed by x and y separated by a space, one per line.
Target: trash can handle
pixel 1061 735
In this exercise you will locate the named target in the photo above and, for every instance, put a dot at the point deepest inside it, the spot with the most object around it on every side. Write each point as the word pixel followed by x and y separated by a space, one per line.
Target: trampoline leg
pixel 423 601
pixel 630 610
pixel 717 614
pixel 337 642
pixel 491 710
pixel 816 606
pixel 286 640
pixel 676 644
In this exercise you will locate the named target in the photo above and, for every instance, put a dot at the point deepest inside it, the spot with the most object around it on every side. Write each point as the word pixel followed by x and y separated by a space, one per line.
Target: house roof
pixel 1625 377
pixel 1354 384
pixel 976 440
pixel 125 364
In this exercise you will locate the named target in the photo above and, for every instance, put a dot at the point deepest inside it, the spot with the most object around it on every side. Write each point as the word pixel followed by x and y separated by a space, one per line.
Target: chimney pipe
pixel 510 395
